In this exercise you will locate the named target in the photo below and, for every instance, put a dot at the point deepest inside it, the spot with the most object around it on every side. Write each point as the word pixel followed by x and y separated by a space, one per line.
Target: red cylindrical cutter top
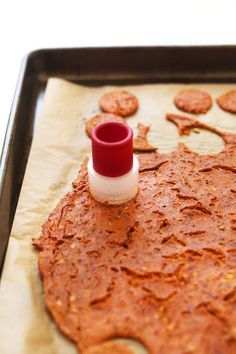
pixel 112 149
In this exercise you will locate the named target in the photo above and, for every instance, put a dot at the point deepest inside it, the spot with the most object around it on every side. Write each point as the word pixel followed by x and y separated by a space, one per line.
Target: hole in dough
pixel 165 136
pixel 203 141
pixel 118 346
pixel 135 345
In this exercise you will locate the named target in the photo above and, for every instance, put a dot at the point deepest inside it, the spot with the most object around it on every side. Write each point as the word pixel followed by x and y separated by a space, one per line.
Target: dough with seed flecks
pixel 109 348
pixel 140 142
pixel 193 101
pixel 161 268
pixel 121 103
pixel 227 101
pixel 91 123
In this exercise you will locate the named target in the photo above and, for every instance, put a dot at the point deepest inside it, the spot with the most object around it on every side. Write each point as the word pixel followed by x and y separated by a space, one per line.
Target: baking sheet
pixel 58 147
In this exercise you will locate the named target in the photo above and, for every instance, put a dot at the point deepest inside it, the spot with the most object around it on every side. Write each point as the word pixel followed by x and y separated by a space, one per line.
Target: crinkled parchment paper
pixel 59 144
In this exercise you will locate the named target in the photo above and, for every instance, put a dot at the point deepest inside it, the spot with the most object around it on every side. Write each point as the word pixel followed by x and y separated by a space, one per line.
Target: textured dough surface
pixel 121 103
pixel 140 142
pixel 109 348
pixel 160 269
pixel 92 122
pixel 58 146
pixel 227 101
pixel 193 101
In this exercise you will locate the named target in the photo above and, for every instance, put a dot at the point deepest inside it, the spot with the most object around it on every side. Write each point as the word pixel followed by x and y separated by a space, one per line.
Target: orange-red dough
pixel 185 124
pixel 91 123
pixel 161 268
pixel 121 103
pixel 193 101
pixel 228 101
pixel 140 142
pixel 109 348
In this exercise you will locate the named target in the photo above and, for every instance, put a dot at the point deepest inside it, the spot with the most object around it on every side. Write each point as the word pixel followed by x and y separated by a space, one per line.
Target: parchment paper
pixel 59 144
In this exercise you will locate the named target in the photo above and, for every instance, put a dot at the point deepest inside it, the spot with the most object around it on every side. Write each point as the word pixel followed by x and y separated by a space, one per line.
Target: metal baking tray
pixel 93 67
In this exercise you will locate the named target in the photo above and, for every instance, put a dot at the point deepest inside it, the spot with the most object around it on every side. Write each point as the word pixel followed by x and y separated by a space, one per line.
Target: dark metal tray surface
pixel 93 67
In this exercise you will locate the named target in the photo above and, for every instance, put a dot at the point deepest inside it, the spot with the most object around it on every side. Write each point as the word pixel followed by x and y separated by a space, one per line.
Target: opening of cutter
pixel 112 132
